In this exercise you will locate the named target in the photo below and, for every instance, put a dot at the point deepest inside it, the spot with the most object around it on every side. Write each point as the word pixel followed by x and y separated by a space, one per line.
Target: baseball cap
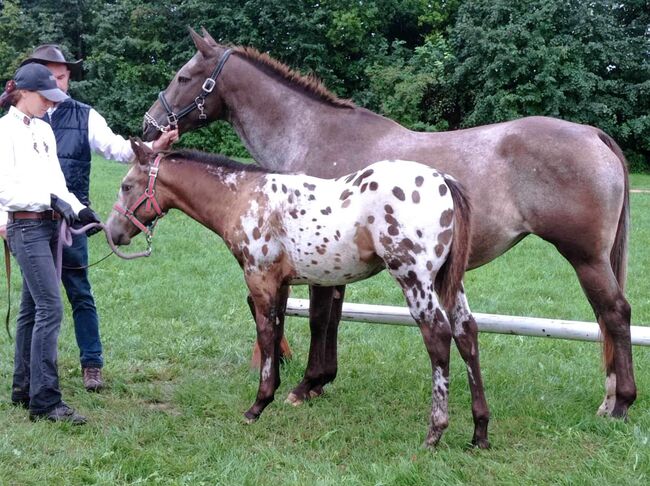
pixel 36 77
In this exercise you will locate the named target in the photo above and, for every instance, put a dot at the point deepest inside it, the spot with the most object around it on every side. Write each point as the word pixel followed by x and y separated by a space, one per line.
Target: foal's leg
pixel 324 316
pixel 269 333
pixel 436 333
pixel 285 349
pixel 465 332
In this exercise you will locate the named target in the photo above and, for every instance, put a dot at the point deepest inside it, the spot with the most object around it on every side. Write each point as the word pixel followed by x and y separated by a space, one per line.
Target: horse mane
pixel 310 83
pixel 215 160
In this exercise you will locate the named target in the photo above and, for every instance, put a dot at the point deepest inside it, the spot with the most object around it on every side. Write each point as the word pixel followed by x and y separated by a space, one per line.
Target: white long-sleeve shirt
pixel 102 140
pixel 29 167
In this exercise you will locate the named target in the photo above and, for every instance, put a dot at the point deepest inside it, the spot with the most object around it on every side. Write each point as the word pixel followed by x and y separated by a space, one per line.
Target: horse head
pixel 191 99
pixel 138 205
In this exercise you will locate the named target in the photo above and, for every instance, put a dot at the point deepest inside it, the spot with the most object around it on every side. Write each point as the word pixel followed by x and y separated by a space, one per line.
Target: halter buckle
pixel 172 119
pixel 208 85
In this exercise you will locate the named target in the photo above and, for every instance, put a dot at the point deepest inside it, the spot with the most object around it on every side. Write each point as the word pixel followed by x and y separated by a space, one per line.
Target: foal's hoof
pixel 293 399
pixel 250 418
pixel 481 443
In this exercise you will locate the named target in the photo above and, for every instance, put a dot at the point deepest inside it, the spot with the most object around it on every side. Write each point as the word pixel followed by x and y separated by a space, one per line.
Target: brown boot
pixel 93 379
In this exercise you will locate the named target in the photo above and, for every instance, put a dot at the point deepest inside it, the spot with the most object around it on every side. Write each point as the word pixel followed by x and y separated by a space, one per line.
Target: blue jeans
pixel 84 312
pixel 33 244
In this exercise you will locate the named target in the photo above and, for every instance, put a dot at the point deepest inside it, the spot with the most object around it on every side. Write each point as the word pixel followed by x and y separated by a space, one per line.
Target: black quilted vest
pixel 70 125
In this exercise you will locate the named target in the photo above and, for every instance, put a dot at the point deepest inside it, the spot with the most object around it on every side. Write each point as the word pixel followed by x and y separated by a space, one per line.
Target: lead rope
pixel 65 238
pixel 8 272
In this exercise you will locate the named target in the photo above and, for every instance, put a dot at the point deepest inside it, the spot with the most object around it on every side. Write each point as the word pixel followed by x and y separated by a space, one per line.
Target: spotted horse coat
pixel 287 229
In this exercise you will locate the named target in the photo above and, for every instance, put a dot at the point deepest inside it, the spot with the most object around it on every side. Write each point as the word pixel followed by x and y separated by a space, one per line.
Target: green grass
pixel 177 336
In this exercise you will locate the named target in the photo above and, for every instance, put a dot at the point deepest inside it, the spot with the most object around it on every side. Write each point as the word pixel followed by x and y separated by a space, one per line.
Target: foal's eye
pixel 126 187
pixel 183 79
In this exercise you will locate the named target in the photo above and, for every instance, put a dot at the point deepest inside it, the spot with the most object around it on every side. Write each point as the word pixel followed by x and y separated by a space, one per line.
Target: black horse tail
pixel 450 276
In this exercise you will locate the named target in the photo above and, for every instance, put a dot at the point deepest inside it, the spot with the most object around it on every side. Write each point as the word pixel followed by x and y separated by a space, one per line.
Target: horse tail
pixel 450 276
pixel 618 255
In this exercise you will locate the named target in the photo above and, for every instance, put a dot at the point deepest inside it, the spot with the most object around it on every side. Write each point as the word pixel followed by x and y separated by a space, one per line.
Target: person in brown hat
pixel 80 130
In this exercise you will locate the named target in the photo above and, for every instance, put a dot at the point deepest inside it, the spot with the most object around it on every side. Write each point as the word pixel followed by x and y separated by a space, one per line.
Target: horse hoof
pixel 250 418
pixel 481 444
pixel 293 399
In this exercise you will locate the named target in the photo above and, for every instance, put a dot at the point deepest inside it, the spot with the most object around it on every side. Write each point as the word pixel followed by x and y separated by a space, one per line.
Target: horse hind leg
pixel 613 314
pixel 465 334
pixel 436 332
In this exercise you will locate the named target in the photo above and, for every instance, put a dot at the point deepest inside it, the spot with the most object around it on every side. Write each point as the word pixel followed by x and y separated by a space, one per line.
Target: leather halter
pixel 148 197
pixel 198 103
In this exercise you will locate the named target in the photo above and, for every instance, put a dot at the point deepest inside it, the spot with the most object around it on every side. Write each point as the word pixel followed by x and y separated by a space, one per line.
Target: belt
pixel 49 215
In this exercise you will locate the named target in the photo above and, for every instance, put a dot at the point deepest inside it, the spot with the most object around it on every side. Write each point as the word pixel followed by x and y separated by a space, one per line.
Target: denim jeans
pixel 33 244
pixel 84 312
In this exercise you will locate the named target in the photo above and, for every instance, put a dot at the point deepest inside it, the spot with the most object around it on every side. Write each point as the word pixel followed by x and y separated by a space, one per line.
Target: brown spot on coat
pixel 415 196
pixel 446 217
pixel 419 180
pixel 445 237
pixel 256 233
pixel 373 186
pixel 345 194
pixel 442 189
pixel 399 193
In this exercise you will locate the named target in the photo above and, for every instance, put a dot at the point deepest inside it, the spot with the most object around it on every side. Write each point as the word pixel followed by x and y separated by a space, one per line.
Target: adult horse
pixel 565 182
pixel 296 229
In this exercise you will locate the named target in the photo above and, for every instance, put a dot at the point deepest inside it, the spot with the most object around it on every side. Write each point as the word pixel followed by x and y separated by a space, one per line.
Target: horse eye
pixel 183 79
pixel 126 187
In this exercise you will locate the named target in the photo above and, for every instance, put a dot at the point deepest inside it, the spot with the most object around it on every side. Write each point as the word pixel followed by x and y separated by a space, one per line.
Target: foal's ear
pixel 141 151
pixel 201 44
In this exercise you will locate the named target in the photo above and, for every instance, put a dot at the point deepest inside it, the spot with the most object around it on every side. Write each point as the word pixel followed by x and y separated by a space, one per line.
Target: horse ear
pixel 208 37
pixel 141 151
pixel 201 44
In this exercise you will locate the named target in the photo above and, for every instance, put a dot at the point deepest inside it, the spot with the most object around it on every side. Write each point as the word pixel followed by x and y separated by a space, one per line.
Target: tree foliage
pixel 429 64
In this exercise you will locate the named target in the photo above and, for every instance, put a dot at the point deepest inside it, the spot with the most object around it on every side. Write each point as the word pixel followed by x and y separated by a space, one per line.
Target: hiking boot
pixel 20 397
pixel 93 379
pixel 62 413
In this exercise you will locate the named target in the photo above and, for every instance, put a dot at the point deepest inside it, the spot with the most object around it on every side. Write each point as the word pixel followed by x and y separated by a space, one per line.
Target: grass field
pixel 177 336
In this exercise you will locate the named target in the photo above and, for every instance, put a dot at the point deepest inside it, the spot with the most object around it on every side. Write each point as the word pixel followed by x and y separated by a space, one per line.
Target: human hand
pixel 88 216
pixel 3 231
pixel 63 208
pixel 165 141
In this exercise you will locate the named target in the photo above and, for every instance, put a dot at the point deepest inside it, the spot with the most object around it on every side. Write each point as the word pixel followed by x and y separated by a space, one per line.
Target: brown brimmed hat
pixel 51 53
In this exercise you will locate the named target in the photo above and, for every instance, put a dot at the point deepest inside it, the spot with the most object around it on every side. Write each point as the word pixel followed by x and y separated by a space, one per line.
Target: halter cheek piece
pixel 198 103
pixel 149 199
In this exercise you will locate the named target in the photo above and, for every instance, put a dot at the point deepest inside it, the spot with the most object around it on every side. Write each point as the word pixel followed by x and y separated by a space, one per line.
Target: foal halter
pixel 148 197
pixel 198 103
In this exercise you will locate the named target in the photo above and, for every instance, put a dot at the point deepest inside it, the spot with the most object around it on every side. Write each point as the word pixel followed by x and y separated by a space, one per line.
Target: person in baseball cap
pixel 36 77
pixel 80 130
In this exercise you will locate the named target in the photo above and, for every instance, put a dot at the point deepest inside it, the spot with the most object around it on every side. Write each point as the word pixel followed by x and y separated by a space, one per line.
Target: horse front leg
pixel 465 333
pixel 324 316
pixel 268 337
pixel 285 349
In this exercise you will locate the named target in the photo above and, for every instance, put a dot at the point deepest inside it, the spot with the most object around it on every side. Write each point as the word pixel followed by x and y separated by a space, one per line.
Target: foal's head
pixel 138 205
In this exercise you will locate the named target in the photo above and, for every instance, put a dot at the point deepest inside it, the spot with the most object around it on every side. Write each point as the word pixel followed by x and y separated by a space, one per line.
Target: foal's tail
pixel 618 255
pixel 450 276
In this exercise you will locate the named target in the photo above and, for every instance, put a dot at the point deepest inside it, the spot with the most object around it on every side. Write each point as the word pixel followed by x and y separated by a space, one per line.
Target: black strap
pixel 174 117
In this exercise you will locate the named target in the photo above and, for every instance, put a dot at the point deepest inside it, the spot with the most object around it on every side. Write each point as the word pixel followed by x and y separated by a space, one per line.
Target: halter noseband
pixel 148 197
pixel 198 103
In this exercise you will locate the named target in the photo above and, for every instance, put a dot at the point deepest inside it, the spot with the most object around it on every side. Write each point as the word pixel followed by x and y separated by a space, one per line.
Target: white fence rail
pixel 521 326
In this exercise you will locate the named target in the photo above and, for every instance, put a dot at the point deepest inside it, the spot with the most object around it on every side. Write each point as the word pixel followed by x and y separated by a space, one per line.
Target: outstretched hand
pixel 165 141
